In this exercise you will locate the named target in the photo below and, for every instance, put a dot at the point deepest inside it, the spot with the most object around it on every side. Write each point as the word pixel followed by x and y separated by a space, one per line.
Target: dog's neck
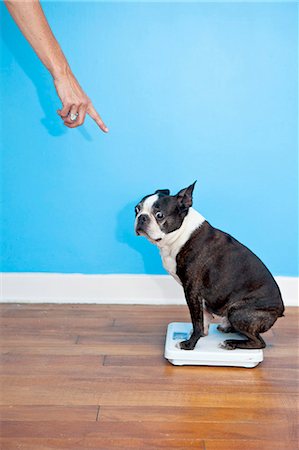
pixel 174 241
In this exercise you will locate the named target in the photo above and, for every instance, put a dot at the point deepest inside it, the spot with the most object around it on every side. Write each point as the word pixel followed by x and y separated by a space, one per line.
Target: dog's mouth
pixel 140 232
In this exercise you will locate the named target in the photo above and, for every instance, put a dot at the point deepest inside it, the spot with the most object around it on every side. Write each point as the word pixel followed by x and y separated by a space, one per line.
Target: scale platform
pixel 207 351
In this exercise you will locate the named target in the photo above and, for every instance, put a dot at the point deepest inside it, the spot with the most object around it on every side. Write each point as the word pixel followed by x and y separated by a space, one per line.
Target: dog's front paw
pixel 187 345
pixel 229 344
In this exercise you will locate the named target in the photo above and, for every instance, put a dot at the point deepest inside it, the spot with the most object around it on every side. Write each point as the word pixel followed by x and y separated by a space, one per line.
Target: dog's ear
pixel 184 197
pixel 163 191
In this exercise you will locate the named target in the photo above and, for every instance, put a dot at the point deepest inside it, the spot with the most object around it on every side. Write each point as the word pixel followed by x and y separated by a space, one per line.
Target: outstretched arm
pixel 31 20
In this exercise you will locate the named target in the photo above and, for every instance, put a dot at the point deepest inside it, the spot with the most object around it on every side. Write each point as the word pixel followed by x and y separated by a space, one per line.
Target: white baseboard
pixel 108 289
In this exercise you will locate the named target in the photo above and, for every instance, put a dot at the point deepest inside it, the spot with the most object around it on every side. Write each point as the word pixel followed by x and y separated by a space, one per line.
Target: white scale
pixel 207 351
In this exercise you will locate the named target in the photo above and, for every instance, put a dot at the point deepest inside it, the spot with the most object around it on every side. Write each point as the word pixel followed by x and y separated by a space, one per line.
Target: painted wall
pixel 204 91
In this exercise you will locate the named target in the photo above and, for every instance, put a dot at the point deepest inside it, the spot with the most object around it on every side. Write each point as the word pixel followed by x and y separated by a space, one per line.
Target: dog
pixel 219 275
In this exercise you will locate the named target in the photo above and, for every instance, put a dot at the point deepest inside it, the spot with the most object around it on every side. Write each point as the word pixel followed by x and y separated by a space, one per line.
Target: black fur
pixel 174 207
pixel 217 269
pixel 233 282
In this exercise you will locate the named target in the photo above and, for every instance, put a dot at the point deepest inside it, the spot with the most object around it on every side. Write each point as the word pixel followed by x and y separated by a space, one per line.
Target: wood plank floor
pixel 94 377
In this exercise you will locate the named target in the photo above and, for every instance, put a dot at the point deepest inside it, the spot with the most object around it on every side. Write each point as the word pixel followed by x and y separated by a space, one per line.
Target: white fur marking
pixel 172 242
pixel 207 319
pixel 153 230
pixel 148 204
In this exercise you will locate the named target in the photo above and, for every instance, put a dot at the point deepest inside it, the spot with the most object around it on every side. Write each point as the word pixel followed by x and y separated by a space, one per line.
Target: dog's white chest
pixel 169 263
pixel 172 243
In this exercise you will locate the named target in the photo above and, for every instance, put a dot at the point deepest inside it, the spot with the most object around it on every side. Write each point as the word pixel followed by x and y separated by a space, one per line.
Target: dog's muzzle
pixel 142 222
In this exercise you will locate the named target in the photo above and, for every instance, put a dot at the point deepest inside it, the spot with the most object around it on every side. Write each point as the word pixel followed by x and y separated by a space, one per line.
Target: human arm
pixel 32 22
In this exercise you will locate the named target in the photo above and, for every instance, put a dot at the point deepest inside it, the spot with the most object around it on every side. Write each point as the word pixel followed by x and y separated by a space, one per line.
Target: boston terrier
pixel 219 275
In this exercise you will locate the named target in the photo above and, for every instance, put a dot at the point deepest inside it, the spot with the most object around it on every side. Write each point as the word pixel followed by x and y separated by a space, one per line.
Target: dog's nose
pixel 143 219
pixel 141 224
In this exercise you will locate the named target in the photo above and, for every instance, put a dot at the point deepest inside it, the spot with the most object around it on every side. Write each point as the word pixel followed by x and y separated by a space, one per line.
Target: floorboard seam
pixel 98 413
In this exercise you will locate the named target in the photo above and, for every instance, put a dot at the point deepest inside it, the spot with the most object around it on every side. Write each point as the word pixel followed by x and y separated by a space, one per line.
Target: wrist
pixel 60 70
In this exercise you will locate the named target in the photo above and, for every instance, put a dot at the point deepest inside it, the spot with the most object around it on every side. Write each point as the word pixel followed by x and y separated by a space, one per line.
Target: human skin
pixel 31 20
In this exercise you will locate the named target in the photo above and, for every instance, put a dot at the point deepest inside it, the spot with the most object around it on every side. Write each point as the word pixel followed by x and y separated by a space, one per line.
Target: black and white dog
pixel 220 276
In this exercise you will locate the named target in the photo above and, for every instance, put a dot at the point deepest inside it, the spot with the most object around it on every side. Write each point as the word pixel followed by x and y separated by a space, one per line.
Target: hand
pixel 75 101
pixel 32 21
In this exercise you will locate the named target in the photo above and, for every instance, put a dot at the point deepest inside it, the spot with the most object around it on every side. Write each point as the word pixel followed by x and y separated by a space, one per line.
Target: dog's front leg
pixel 195 304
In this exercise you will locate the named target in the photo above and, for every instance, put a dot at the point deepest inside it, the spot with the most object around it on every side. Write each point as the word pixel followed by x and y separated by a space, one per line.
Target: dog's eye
pixel 159 215
pixel 137 209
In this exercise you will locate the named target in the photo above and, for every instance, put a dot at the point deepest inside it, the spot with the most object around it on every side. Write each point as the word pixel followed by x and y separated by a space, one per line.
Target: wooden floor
pixel 94 377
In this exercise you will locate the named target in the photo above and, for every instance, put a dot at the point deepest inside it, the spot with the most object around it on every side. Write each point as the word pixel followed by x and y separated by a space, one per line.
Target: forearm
pixel 31 20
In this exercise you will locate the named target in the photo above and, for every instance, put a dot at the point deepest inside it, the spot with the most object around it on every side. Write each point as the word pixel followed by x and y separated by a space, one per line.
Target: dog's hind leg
pixel 253 342
pixel 225 326
pixel 250 323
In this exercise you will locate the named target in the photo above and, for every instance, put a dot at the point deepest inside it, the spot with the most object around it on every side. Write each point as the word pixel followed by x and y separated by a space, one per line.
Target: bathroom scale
pixel 207 351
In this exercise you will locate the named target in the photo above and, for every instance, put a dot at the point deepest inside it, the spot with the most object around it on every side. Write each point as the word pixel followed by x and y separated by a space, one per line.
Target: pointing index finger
pixel 96 117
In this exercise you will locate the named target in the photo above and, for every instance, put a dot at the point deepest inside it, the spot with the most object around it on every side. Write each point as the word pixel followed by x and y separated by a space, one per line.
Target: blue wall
pixel 204 91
